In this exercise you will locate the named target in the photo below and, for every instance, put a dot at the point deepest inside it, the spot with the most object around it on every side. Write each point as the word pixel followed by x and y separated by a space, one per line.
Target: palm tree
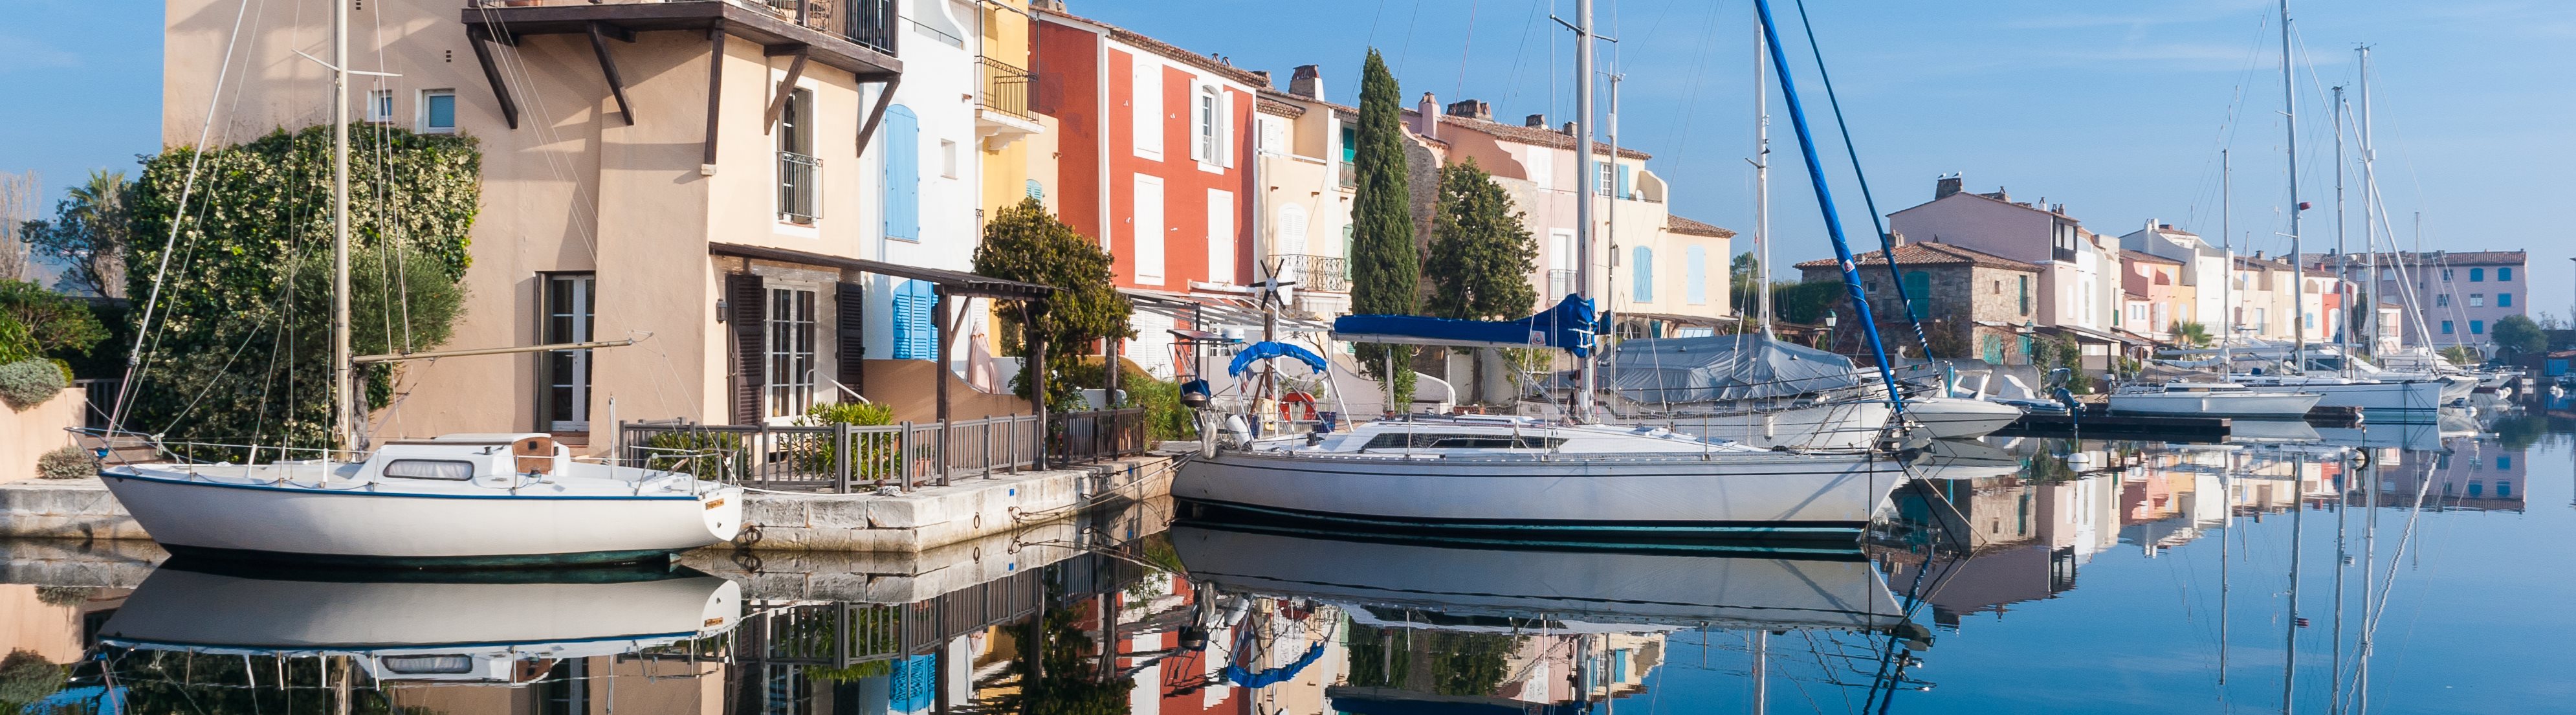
pixel 2190 334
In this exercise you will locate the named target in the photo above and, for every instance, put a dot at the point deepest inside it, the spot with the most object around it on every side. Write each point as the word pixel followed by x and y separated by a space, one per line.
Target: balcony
pixel 1330 274
pixel 1560 283
pixel 1002 113
pixel 859 36
pixel 800 188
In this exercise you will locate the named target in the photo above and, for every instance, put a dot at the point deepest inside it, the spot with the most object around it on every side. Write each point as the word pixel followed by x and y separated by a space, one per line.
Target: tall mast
pixel 2298 273
pixel 1588 186
pixel 344 399
pixel 2369 205
pixel 2343 262
pixel 2227 249
pixel 1761 184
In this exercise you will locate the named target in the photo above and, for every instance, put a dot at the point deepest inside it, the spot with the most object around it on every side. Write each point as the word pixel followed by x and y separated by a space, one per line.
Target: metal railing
pixel 1350 173
pixel 99 399
pixel 1330 274
pixel 1005 88
pixel 800 187
pixel 870 23
pixel 1560 282
pixel 906 455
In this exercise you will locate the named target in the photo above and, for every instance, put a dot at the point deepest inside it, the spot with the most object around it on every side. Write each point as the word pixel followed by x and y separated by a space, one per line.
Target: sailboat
pixel 1528 477
pixel 507 499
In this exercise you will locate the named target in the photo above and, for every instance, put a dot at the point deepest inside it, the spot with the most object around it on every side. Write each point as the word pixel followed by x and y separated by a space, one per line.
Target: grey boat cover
pixel 1725 367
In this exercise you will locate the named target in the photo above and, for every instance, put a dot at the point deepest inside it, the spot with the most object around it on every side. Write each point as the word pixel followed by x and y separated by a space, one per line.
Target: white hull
pixel 2272 405
pixel 1655 591
pixel 350 523
pixel 1847 425
pixel 1678 495
pixel 2425 396
pixel 1959 418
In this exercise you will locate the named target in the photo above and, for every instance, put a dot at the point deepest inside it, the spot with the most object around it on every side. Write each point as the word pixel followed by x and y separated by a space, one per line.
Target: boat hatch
pixel 427 664
pixel 1435 440
pixel 447 469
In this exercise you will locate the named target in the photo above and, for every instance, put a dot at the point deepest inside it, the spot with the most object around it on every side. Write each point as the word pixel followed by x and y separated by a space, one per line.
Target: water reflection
pixel 2287 568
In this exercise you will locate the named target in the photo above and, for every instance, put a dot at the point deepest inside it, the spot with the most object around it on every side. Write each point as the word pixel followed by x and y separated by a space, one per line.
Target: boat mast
pixel 1587 186
pixel 2298 273
pixel 2369 204
pixel 343 398
pixel 2343 261
pixel 1761 185
pixel 2227 275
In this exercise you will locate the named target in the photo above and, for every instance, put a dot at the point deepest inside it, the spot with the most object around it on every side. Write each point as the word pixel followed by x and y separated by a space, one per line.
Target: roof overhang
pixel 957 283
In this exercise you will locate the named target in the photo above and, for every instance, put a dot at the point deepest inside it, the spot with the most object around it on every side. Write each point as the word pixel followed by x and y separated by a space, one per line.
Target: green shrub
pixel 26 678
pixel 66 463
pixel 875 453
pixel 706 455
pixel 27 383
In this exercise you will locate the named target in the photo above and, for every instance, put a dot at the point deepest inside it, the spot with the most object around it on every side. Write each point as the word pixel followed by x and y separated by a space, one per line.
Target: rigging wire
pixel 1886 241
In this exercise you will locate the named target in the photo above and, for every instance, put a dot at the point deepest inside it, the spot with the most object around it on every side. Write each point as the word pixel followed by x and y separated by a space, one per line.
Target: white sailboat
pixel 467 499
pixel 1523 476
pixel 2211 399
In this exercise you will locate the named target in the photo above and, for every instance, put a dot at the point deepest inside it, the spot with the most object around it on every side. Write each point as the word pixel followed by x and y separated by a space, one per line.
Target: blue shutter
pixel 915 330
pixel 1644 290
pixel 902 174
pixel 1623 181
pixel 1695 275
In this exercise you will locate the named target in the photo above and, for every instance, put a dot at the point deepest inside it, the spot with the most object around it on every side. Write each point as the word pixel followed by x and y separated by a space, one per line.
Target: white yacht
pixel 2211 399
pixel 458 500
pixel 1524 477
pixel 1959 417
pixel 1753 389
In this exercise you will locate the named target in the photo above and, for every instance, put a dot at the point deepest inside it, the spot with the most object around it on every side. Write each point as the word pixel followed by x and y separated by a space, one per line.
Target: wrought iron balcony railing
pixel 1331 274
pixel 1005 88
pixel 800 187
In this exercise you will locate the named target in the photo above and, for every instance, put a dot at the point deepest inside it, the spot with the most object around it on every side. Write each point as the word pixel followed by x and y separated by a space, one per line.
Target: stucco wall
pixel 26 435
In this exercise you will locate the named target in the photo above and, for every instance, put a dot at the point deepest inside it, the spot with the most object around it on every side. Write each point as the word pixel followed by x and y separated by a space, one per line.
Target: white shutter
pixel 1149 230
pixel 1145 102
pixel 1220 236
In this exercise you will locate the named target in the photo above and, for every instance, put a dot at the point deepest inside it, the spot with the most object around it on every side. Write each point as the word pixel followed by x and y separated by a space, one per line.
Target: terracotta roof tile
pixel 1166 49
pixel 1677 224
pixel 2145 257
pixel 1540 136
pixel 1280 108
pixel 1930 253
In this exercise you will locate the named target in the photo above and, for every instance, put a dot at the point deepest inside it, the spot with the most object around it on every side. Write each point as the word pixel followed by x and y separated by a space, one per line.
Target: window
pixel 1145 104
pixel 1623 191
pixel 2446 327
pixel 437 111
pixel 1405 440
pixel 1695 275
pixel 2477 327
pixel 1918 290
pixel 2477 300
pixel 2477 275
pixel 2442 301
pixel 915 331
pixel 2504 300
pixel 799 173
pixel 791 350
pixel 1602 174
pixel 902 185
pixel 448 469
pixel 1035 190
pixel 2025 295
pixel 2446 274
pixel 1644 289
pixel 948 158
pixel 380 105
pixel 2504 274
pixel 2504 489
pixel 570 299
pixel 1208 120
pixel 2504 461
pixel 1148 234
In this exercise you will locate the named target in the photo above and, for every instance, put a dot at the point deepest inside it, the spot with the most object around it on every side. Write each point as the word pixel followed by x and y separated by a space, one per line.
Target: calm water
pixel 2029 576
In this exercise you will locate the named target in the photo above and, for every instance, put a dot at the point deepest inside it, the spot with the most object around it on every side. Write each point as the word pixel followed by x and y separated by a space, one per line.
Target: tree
pixel 2516 336
pixel 2190 334
pixel 17 207
pixel 240 333
pixel 1385 266
pixel 91 229
pixel 37 323
pixel 1745 275
pixel 1025 243
pixel 1481 254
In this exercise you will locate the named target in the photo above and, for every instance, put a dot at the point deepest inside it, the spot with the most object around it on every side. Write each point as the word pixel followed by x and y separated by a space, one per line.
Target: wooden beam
pixel 481 38
pixel 786 85
pixel 608 68
pixel 715 92
pixel 885 98
pixel 615 31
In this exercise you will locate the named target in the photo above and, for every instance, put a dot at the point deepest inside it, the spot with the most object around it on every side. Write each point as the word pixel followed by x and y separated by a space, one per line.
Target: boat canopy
pixel 1268 349
pixel 1725 367
pixel 1567 326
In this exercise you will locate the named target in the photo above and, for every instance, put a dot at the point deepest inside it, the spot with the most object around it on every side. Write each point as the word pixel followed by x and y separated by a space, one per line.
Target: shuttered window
pixel 745 296
pixel 1148 222
pixel 902 131
pixel 1695 275
pixel 915 329
pixel 1644 270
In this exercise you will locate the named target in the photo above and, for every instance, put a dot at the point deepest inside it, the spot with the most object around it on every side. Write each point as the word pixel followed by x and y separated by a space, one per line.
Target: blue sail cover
pixel 1567 326
pixel 1268 349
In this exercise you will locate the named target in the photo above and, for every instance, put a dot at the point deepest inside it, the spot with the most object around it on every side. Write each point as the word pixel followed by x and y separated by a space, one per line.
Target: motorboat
pixel 459 500
pixel 1959 417
pixel 437 626
pixel 2211 399
pixel 1525 477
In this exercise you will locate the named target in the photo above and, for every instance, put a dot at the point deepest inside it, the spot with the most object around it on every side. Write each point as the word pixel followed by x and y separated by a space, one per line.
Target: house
pixel 2079 286
pixel 1152 159
pixel 1973 303
pixel 744 183
pixel 1304 146
pixel 2202 265
pixel 2458 295
pixel 2156 297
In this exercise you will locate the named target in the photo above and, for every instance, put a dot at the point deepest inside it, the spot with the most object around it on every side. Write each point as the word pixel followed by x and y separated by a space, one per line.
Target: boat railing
pixel 845 458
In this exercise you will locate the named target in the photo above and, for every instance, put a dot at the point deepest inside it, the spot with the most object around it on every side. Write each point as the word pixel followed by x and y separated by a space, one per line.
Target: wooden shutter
pixel 745 301
pixel 902 174
pixel 545 402
pixel 851 299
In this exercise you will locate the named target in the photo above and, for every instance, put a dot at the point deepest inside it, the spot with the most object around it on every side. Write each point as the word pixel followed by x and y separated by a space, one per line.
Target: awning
pixel 1567 326
pixel 1268 349
pixel 956 283
pixel 1204 311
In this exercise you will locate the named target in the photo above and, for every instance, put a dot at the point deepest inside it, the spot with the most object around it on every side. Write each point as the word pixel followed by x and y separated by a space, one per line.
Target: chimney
pixel 1895 238
pixel 1536 121
pixel 1265 78
pixel 1472 109
pixel 1426 114
pixel 1945 186
pixel 1567 129
pixel 1307 81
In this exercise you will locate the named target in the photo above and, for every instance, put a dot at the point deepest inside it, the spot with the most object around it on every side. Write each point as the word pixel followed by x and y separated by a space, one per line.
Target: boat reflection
pixel 465 627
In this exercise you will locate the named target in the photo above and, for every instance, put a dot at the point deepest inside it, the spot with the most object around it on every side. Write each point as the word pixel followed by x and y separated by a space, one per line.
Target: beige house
pixel 762 194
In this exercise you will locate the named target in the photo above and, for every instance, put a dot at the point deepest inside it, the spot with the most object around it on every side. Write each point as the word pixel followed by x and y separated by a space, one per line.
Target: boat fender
pixel 1235 425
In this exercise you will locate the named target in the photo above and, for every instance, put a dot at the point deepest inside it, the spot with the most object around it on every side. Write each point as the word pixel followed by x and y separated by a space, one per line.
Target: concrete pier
pixel 911 522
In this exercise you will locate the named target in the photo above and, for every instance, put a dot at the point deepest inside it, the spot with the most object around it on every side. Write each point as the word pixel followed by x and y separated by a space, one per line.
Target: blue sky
pixel 2117 110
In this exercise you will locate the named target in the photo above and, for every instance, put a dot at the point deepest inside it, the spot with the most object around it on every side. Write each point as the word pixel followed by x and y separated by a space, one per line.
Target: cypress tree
pixel 1481 254
pixel 1385 269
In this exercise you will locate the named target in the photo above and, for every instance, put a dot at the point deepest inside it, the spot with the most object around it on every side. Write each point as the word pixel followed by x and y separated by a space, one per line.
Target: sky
pixel 2117 110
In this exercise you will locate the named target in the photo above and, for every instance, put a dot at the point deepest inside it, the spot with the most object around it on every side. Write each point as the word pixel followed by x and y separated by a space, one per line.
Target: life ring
pixel 1290 404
